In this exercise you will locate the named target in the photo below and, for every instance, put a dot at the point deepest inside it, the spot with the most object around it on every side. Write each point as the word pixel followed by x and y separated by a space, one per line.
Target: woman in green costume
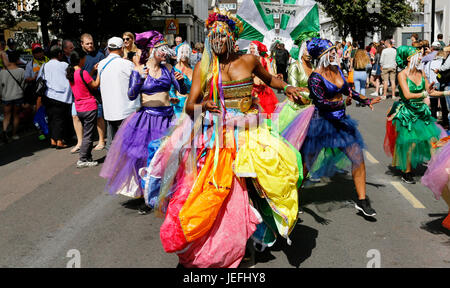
pixel 293 117
pixel 410 128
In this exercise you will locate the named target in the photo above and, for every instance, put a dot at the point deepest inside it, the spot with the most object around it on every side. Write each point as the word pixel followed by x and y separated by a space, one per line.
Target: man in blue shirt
pixel 93 57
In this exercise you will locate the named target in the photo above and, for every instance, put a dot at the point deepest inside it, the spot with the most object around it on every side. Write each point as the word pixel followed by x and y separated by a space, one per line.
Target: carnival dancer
pixel 151 79
pixel 183 67
pixel 333 138
pixel 437 176
pixel 293 118
pixel 229 176
pixel 410 128
pixel 267 98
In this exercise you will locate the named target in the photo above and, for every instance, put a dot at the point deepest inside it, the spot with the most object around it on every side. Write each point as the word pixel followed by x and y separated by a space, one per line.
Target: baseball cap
pixel 115 43
pixel 36 46
pixel 436 44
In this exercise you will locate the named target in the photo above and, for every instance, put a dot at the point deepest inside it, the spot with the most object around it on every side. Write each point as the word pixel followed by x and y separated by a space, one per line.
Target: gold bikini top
pixel 237 94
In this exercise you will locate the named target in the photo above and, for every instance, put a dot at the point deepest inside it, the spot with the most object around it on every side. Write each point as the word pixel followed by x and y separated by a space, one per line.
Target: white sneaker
pixel 15 137
pixel 383 97
pixel 86 164
pixel 374 94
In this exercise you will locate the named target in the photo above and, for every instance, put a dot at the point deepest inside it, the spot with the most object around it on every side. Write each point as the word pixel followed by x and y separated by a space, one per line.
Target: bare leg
pixel 385 88
pixel 377 85
pixel 7 109
pixel 78 130
pixel 101 134
pixel 355 154
pixel 359 178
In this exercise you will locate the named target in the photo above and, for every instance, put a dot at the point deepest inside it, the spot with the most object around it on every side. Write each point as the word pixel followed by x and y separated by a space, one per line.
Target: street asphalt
pixel 49 208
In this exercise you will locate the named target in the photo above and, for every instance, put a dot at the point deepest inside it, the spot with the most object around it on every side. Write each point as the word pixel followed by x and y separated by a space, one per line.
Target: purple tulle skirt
pixel 333 144
pixel 437 176
pixel 129 152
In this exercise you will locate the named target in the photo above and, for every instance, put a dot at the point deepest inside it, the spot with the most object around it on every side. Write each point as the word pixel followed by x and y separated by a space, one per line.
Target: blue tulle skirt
pixel 333 144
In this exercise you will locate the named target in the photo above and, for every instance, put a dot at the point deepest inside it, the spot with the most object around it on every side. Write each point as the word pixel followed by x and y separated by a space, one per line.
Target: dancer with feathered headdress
pixel 229 178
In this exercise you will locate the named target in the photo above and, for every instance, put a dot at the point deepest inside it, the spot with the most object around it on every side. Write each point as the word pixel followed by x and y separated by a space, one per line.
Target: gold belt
pixel 242 103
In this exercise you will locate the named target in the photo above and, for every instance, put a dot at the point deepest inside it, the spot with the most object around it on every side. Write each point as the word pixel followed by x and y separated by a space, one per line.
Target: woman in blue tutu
pixel 151 80
pixel 333 140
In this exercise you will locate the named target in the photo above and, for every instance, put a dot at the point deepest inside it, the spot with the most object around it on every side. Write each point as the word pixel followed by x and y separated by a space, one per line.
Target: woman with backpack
pixel 11 93
pixel 85 104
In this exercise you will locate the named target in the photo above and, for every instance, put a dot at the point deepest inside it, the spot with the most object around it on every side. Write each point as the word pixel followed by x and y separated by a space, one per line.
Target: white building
pixel 190 15
pixel 402 35
pixel 441 20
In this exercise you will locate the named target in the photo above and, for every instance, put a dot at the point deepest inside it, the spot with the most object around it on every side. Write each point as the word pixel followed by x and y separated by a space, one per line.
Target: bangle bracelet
pixel 447 93
pixel 285 87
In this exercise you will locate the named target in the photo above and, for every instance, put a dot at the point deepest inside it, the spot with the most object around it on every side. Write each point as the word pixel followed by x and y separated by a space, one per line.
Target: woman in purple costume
pixel 333 140
pixel 152 79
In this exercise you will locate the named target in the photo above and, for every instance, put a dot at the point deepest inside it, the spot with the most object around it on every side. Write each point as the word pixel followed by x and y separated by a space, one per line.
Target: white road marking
pixel 371 158
pixel 408 195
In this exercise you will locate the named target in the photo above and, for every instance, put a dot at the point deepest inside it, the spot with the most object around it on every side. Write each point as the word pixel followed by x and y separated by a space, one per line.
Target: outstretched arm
pixel 293 93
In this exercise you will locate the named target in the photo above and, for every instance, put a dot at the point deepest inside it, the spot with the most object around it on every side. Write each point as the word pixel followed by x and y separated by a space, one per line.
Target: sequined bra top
pixel 237 94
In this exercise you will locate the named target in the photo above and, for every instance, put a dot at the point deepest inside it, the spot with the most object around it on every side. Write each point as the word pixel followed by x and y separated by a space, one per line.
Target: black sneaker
pixel 408 178
pixel 144 209
pixel 364 206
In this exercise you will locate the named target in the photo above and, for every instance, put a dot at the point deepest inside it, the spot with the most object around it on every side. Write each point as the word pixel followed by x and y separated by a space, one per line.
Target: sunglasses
pixel 126 39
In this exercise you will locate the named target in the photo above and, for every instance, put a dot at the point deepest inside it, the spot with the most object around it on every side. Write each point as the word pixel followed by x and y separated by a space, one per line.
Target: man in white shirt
pixel 59 97
pixel 430 72
pixel 114 73
pixel 388 68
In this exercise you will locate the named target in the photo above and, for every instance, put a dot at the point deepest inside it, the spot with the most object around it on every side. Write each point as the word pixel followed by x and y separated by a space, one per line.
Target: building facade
pixel 185 18
pixel 441 20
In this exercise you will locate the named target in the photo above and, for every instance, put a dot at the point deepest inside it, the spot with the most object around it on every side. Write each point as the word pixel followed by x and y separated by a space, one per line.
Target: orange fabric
pixel 446 222
pixel 203 204
pixel 350 77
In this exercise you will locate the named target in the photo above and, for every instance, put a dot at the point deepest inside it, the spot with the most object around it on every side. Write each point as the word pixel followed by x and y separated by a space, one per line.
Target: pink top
pixel 84 100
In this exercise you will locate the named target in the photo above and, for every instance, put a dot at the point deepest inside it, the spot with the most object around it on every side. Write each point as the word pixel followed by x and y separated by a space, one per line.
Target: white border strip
pixel 413 200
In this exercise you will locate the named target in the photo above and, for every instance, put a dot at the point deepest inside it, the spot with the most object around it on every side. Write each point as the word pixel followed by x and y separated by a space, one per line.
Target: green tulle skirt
pixel 413 143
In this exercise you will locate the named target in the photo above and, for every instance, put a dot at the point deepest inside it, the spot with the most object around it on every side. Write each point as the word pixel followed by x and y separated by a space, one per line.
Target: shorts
pixel 99 110
pixel 15 102
pixel 74 111
pixel 388 75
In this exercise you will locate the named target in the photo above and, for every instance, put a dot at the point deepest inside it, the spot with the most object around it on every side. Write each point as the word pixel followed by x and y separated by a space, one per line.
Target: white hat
pixel 115 43
pixel 436 44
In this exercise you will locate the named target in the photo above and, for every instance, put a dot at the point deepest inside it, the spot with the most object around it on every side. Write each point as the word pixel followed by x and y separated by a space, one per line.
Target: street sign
pixel 172 26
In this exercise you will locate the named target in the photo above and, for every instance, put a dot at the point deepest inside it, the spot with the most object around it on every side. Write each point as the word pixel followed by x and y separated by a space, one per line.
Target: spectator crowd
pixel 86 95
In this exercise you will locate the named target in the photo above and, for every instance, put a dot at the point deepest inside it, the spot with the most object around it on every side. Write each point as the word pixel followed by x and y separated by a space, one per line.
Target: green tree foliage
pixel 361 17
pixel 101 18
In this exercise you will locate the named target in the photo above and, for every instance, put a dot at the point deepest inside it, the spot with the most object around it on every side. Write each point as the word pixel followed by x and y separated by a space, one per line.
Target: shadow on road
pixel 133 204
pixel 24 147
pixel 303 243
pixel 435 226
pixel 418 171
pixel 330 195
